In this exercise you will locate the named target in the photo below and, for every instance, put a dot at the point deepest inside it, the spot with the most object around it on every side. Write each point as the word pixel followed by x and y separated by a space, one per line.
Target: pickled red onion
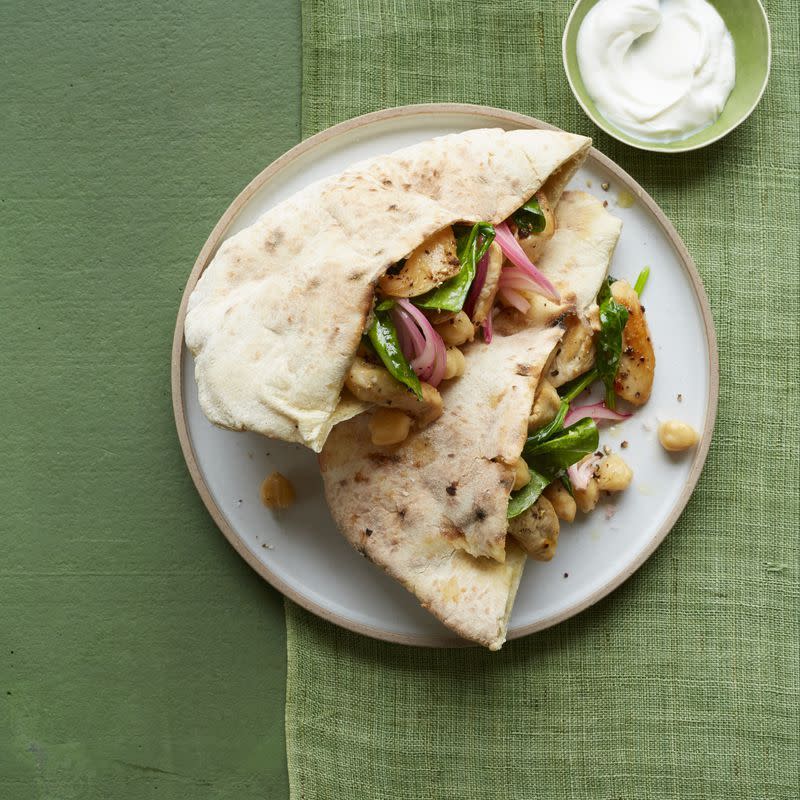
pixel 516 255
pixel 486 327
pixel 581 473
pixel 513 298
pixel 427 355
pixel 596 411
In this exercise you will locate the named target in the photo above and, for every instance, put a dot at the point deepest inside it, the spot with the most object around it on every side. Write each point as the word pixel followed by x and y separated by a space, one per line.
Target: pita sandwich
pixel 276 319
pixel 433 510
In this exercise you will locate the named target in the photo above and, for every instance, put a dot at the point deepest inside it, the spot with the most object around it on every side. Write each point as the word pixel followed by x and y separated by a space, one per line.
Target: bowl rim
pixel 657 147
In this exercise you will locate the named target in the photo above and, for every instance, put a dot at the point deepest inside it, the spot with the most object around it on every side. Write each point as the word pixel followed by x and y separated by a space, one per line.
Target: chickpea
pixel 545 406
pixel 562 501
pixel 455 364
pixel 389 426
pixel 586 499
pixel 522 475
pixel 276 491
pixel 457 330
pixel 675 435
pixel 613 474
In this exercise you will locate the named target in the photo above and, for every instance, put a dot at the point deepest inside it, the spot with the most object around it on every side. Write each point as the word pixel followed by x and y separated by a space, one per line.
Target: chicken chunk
pixel 536 530
pixel 433 262
pixel 575 355
pixel 373 384
pixel 634 380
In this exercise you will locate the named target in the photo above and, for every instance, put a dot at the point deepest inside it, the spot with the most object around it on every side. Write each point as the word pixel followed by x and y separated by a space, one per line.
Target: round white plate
pixel 300 551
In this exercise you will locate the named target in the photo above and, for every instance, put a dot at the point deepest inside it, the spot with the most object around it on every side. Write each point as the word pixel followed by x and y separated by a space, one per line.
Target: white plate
pixel 300 551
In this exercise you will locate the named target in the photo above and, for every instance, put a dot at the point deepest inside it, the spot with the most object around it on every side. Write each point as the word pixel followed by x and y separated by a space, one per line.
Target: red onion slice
pixel 430 356
pixel 516 255
pixel 597 411
pixel 477 285
pixel 581 473
pixel 514 298
pixel 486 327
pixel 512 278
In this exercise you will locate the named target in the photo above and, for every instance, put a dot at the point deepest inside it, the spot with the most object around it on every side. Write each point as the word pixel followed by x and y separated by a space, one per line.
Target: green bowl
pixel 747 22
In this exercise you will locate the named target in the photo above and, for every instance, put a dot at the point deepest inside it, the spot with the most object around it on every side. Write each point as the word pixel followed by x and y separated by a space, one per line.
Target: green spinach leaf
pixel 471 248
pixel 553 450
pixel 569 391
pixel 613 316
pixel 524 498
pixel 530 218
pixel 542 434
pixel 641 281
pixel 565 448
pixel 383 336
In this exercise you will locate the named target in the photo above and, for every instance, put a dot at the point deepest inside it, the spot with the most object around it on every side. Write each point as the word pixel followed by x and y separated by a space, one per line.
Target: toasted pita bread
pixel 413 509
pixel 275 320
pixel 432 511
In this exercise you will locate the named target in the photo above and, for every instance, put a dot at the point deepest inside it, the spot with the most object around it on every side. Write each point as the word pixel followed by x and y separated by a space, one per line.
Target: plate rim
pixel 214 240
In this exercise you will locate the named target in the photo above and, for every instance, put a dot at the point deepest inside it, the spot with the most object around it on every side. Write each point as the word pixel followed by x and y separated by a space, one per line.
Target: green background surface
pixel 139 656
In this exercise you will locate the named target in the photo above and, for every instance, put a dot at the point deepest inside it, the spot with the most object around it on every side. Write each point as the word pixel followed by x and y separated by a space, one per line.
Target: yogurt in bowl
pixel 667 76
pixel 660 71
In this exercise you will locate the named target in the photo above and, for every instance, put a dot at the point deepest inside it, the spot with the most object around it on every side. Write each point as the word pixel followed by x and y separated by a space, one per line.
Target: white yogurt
pixel 658 71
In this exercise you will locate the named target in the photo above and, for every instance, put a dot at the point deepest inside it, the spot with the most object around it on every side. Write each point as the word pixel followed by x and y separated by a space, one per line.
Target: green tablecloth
pixel 139 656
pixel 683 683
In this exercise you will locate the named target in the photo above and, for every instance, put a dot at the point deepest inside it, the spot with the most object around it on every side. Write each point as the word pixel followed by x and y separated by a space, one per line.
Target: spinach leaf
pixel 605 290
pixel 549 456
pixel 542 434
pixel 565 448
pixel 383 336
pixel 471 248
pixel 530 218
pixel 524 498
pixel 641 281
pixel 613 316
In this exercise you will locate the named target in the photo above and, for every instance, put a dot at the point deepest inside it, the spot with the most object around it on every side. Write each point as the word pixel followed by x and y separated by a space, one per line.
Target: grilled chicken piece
pixel 536 530
pixel 575 355
pixel 373 384
pixel 634 380
pixel 433 262
pixel 485 301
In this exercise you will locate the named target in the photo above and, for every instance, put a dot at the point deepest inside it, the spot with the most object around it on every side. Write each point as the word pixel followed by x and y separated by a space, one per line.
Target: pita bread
pixel 432 511
pixel 275 319
pixel 389 502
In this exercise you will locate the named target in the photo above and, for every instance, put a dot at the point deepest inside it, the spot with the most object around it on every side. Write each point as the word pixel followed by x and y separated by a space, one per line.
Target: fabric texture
pixel 684 682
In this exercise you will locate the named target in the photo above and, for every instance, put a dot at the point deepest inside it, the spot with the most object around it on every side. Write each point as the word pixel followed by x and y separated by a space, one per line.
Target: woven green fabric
pixel 683 683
